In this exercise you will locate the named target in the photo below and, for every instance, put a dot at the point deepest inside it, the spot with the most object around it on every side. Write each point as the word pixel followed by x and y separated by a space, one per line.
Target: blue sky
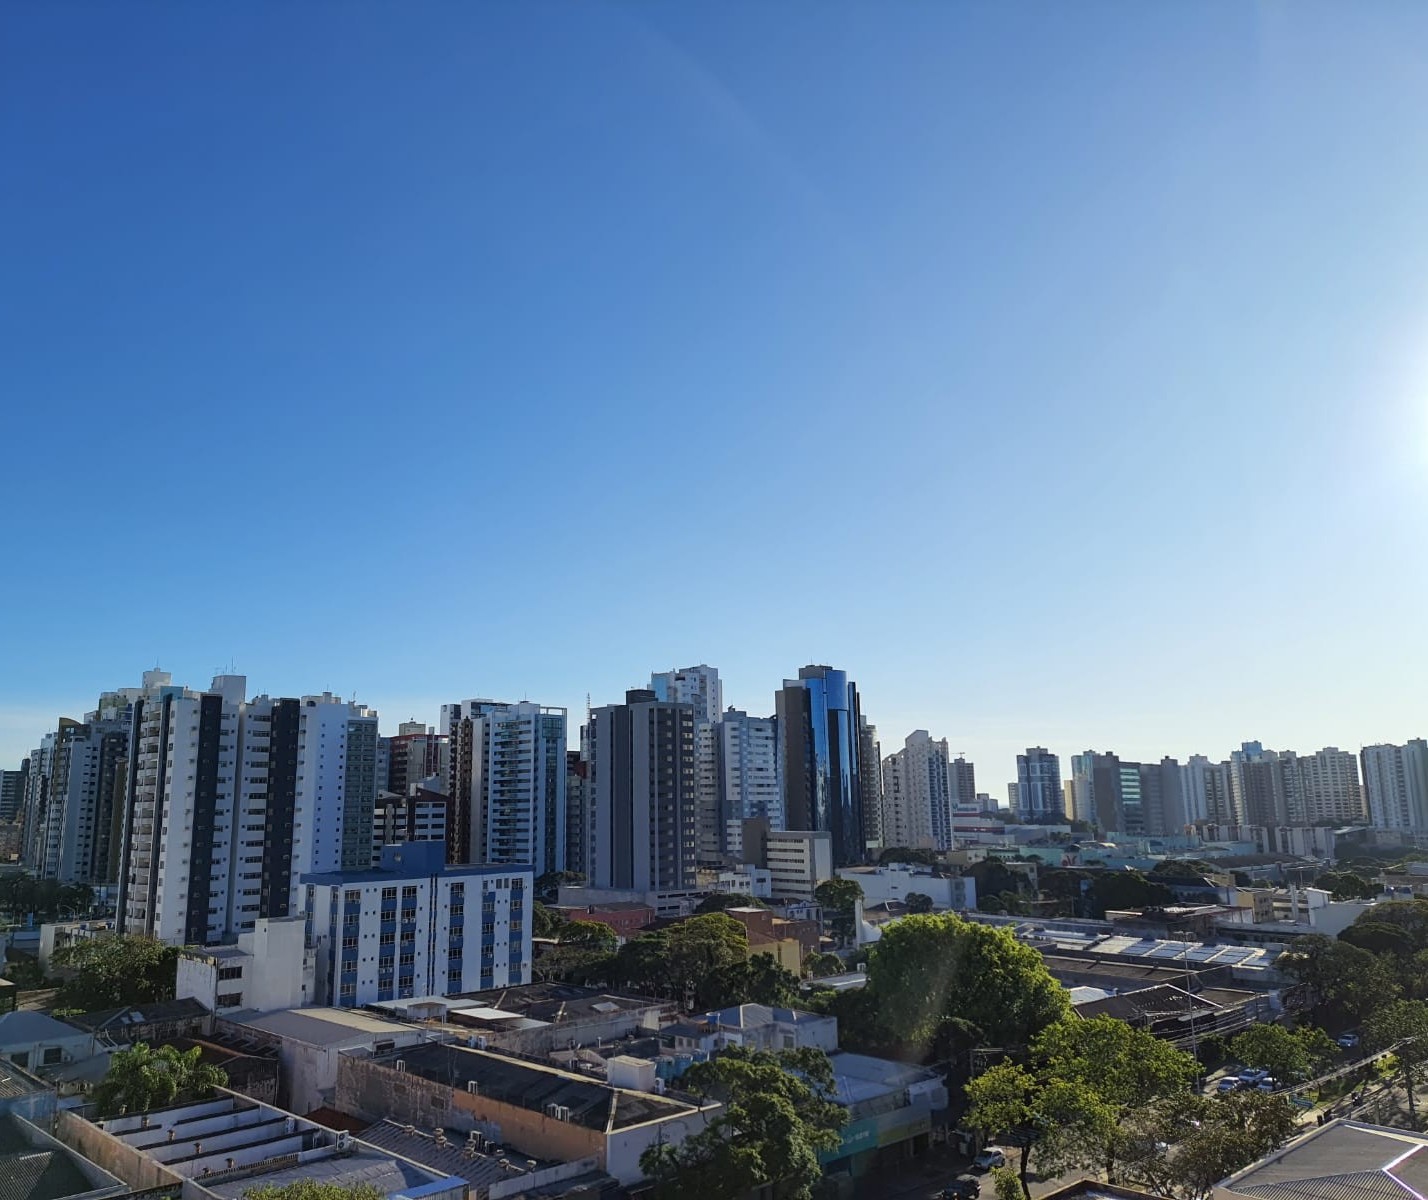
pixel 1060 371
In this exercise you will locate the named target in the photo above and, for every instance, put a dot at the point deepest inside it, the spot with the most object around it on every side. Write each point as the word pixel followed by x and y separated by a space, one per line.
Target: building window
pixel 232 1000
pixel 53 1055
pixel 389 893
pixel 352 897
pixel 225 973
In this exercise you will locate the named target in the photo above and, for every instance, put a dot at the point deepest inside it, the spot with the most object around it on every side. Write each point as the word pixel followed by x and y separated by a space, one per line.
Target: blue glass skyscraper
pixel 818 725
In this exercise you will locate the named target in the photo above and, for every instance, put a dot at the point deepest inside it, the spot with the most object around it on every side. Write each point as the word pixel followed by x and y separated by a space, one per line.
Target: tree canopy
pixel 116 970
pixel 1287 1055
pixel 775 1121
pixel 140 1078
pixel 918 902
pixel 934 971
pixel 1343 982
pixel 907 854
pixel 1402 1026
pixel 547 886
pixel 838 897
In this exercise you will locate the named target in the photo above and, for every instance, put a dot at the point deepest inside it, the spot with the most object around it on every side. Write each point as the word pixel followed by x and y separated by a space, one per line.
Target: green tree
pixel 776 1120
pixel 140 1078
pixel 719 901
pixel 116 970
pixel 1123 1069
pixel 1212 1137
pixel 1180 868
pixel 589 935
pixel 838 898
pixel 1007 1185
pixel 818 964
pixel 545 921
pixel 927 972
pixel 1379 937
pixel 1409 915
pixel 760 980
pixel 1125 890
pixel 1342 982
pixel 547 886
pixel 1403 1027
pixel 1272 1048
pixel 918 902
pixel 701 952
pixel 314 1189
pixel 642 964
pixel 1347 885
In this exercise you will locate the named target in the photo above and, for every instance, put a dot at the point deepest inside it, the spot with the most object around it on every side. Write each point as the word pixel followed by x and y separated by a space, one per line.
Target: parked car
pixel 989 1158
pixel 1267 1084
pixel 1348 1041
pixel 1253 1075
pixel 1228 1084
pixel 964 1187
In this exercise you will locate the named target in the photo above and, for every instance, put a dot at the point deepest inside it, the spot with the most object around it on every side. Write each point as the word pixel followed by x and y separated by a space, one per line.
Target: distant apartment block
pixel 1396 782
pixel 417 927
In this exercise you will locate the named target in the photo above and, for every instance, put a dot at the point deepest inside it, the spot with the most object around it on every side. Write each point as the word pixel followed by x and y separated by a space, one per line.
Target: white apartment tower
pixel 917 796
pixel 1396 781
pixel 748 769
pixel 700 688
pixel 229 801
pixel 506 784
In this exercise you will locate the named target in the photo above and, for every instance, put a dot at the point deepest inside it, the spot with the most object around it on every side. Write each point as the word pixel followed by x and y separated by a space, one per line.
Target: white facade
pixel 798 861
pixel 917 795
pixel 749 779
pixel 1327 788
pixel 507 783
pixel 230 800
pixel 746 880
pixel 1396 782
pixel 697 686
pixel 269 968
pixel 896 881
pixel 415 927
pixel 418 818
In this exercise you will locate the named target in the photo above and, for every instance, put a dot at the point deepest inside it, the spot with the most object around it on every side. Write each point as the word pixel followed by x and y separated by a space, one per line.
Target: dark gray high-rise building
pixel 576 816
pixel 870 764
pixel 820 735
pixel 1038 784
pixel 962 776
pixel 641 795
pixel 12 791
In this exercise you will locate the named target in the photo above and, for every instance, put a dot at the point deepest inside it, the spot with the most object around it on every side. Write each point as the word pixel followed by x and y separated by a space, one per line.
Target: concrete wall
pixel 133 1167
pixel 545 1038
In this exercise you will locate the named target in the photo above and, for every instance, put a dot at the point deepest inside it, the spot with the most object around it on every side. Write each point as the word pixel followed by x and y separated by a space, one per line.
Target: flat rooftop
pixel 532 1086
pixel 321 1026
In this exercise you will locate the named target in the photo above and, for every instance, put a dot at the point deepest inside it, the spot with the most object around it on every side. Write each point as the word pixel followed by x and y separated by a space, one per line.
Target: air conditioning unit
pixel 560 1112
pixel 401 1064
pixel 344 1140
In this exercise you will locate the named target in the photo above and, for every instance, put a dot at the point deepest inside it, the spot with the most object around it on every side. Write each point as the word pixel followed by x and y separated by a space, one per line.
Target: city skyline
pixel 993 773
pixel 1091 328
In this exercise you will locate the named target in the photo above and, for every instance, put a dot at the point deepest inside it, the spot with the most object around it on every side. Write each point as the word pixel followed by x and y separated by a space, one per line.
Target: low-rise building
pixel 39 1043
pixel 538 1110
pixel 270 967
pixel 222 1148
pixel 416 927
pixel 625 917
pixel 891 1108
pixel 1338 1160
pixel 897 881
pixel 156 1022
pixel 1180 1017
pixel 788 942
pixel 755 1026
pixel 309 1042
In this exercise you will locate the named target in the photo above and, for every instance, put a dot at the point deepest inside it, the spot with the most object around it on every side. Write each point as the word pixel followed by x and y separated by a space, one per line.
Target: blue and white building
pixel 416 927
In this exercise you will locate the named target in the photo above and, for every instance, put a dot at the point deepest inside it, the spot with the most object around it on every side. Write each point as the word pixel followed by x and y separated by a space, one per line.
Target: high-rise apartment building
pixel 1205 791
pixel 700 688
pixel 417 817
pixel 820 744
pixel 870 767
pixel 917 794
pixel 750 785
pixel 89 765
pixel 1257 787
pixel 576 812
pixel 12 791
pixel 1038 784
pixel 963 781
pixel 413 756
pixel 1396 784
pixel 507 780
pixel 642 830
pixel 228 801
pixel 1323 786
